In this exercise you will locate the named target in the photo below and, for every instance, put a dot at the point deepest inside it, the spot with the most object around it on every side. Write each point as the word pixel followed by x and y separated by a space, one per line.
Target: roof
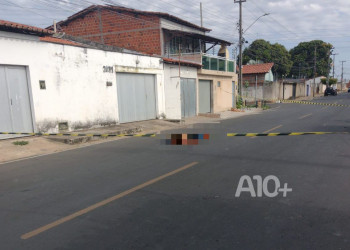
pixel 182 62
pixel 134 11
pixel 50 39
pixel 205 38
pixel 22 28
pixel 257 68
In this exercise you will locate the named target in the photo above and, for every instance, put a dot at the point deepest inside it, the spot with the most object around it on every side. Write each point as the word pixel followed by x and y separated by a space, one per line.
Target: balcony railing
pixel 218 63
pixel 209 62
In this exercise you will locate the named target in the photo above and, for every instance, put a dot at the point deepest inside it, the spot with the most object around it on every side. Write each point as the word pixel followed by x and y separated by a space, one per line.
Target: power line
pixel 22 7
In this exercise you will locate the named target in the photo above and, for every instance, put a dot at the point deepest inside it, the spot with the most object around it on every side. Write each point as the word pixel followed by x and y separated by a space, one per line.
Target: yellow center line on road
pixel 304 116
pixel 267 131
pixel 103 203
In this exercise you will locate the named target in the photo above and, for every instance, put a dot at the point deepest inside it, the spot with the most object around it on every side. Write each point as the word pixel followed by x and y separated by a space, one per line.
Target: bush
pixel 21 143
pixel 239 102
pixel 331 81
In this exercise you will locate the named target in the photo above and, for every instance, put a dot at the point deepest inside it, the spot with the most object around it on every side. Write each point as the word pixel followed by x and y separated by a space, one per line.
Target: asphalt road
pixel 45 202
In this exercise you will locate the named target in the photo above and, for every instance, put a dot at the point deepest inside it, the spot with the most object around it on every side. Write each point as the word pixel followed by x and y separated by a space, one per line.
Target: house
pixel 210 87
pixel 292 88
pixel 51 84
pixel 311 83
pixel 257 82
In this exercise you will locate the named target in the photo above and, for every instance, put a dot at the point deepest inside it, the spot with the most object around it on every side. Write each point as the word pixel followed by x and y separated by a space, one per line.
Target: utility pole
pixel 201 8
pixel 342 74
pixel 329 64
pixel 334 63
pixel 240 43
pixel 256 89
pixel 54 26
pixel 315 59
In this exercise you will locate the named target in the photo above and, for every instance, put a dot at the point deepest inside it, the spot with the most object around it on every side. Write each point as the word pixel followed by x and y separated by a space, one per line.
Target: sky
pixel 289 21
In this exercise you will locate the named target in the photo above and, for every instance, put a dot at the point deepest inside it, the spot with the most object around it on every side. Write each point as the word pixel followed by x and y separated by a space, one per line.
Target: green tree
pixel 303 58
pixel 261 50
pixel 331 81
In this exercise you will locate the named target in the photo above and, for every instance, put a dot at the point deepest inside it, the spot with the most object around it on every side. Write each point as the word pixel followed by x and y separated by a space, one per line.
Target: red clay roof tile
pixel 50 39
pixel 257 68
pixel 12 26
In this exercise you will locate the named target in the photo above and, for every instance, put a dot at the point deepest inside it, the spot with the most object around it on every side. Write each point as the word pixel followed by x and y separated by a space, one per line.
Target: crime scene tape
pixel 316 103
pixel 77 135
pixel 286 134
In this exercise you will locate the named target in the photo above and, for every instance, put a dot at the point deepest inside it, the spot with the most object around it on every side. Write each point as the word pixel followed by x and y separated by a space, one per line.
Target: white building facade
pixel 48 87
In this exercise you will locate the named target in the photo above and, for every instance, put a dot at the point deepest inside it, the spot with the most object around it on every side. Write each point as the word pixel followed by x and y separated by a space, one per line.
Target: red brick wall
pixel 135 32
pixel 251 79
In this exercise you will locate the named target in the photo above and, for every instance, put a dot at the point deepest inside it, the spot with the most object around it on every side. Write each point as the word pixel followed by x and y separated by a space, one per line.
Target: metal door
pixel 188 97
pixel 204 94
pixel 5 109
pixel 15 106
pixel 136 97
pixel 294 90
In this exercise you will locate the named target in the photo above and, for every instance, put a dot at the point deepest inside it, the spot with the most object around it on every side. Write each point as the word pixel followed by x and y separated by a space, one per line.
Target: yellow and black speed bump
pixel 78 135
pixel 205 136
pixel 317 103
pixel 285 134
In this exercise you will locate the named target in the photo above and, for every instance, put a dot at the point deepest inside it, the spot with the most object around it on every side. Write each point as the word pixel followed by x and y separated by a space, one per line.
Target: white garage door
pixel 188 97
pixel 136 97
pixel 15 108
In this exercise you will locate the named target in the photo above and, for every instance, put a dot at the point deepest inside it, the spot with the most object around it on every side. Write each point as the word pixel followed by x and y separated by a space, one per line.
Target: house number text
pixel 107 69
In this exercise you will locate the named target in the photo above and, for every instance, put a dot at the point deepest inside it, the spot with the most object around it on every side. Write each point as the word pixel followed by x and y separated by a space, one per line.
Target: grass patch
pixel 21 143
pixel 266 107
pixel 251 106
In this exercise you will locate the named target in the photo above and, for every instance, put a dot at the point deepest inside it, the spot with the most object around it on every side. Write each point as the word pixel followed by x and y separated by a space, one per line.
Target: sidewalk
pixel 308 98
pixel 48 145
pixel 52 144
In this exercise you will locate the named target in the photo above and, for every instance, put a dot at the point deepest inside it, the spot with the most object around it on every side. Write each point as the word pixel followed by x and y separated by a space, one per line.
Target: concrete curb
pixel 83 139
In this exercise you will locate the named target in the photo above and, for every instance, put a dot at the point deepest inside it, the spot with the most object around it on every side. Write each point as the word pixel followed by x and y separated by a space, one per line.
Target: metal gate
pixel 136 97
pixel 204 94
pixel 188 97
pixel 15 106
pixel 294 90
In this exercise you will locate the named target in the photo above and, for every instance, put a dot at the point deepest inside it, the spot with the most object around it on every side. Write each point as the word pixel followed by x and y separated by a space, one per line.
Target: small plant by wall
pixel 239 102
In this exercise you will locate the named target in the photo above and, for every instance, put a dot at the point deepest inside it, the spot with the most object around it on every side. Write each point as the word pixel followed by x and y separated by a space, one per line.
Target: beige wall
pixel 288 90
pixel 222 96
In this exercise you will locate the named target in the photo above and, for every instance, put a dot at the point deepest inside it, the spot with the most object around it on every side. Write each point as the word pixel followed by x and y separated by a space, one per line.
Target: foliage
pixel 239 102
pixel 261 50
pixel 299 60
pixel 266 107
pixel 331 81
pixel 20 143
pixel 303 58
